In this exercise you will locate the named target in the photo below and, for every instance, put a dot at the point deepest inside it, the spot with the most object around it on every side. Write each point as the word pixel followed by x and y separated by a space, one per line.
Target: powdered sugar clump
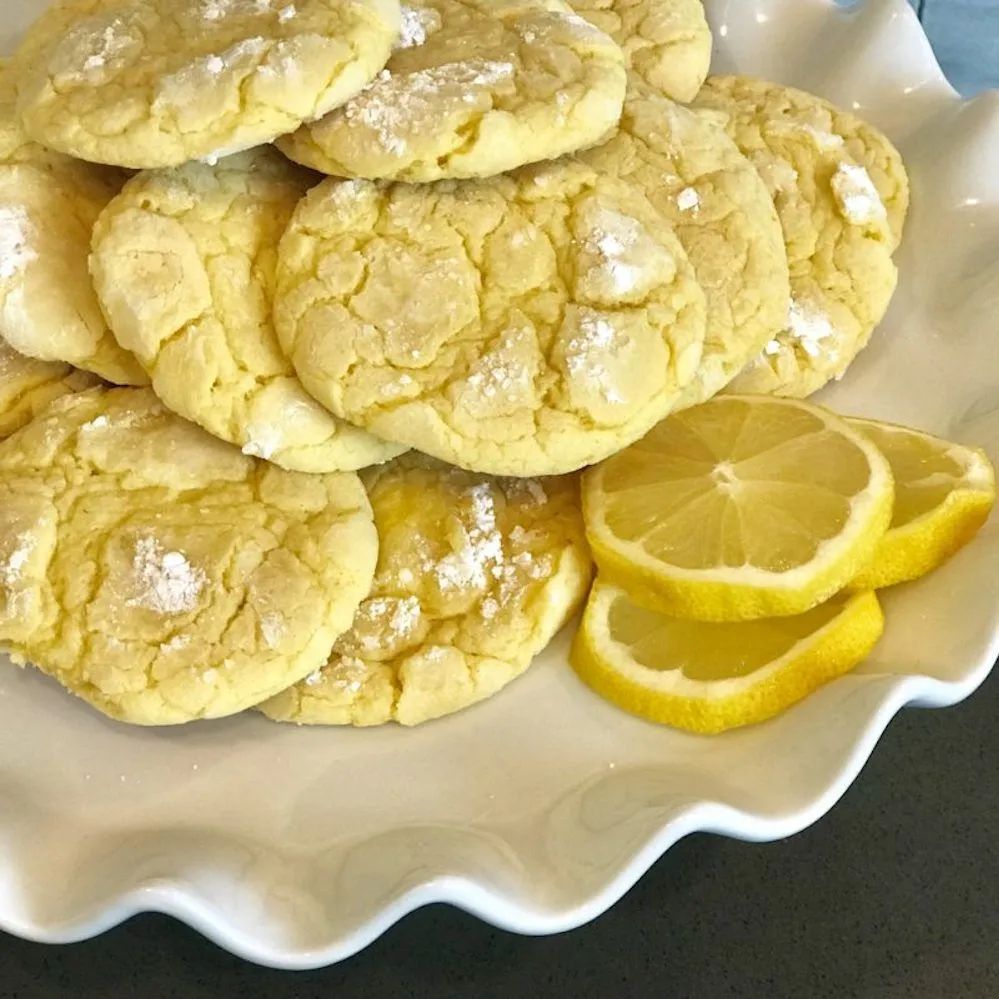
pixel 688 200
pixel 857 196
pixel 417 24
pixel 16 230
pixel 166 581
pixel 810 328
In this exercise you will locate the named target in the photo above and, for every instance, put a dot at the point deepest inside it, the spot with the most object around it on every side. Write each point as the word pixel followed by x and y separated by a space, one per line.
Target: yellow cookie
pixel 841 193
pixel 183 262
pixel 475 577
pixel 27 386
pixel 523 325
pixel 475 88
pixel 723 216
pixel 154 83
pixel 163 576
pixel 667 43
pixel 48 204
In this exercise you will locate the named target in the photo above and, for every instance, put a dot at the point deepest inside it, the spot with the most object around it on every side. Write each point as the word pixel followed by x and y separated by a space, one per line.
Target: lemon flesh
pixel 741 508
pixel 708 677
pixel 944 492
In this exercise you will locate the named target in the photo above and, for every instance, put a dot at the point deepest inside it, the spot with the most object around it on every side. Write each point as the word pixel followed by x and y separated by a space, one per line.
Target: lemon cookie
pixel 475 88
pixel 475 576
pixel 667 43
pixel 154 83
pixel 48 204
pixel 523 325
pixel 27 386
pixel 841 193
pixel 161 575
pixel 183 262
pixel 723 216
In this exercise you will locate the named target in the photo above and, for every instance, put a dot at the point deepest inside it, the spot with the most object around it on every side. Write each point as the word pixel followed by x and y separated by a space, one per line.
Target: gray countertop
pixel 893 894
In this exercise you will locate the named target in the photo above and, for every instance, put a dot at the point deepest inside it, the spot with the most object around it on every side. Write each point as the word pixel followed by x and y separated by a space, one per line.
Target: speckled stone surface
pixel 894 894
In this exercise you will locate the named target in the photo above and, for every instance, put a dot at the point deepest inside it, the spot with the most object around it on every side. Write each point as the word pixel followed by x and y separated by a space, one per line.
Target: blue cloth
pixel 965 37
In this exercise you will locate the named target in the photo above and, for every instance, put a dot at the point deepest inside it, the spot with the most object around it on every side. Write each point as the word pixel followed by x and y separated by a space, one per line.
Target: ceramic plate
pixel 540 808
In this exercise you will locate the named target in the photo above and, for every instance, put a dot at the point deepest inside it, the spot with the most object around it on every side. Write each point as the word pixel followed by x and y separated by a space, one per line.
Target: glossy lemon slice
pixel 744 507
pixel 708 677
pixel 944 492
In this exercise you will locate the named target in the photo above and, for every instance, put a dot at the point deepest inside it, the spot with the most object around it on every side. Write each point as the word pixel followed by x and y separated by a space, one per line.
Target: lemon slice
pixel 708 677
pixel 944 492
pixel 744 507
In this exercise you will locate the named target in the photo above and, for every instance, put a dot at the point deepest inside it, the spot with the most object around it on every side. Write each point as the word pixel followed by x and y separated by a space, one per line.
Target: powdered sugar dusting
pixel 613 237
pixel 382 623
pixel 502 373
pixel 594 342
pixel 417 24
pixel 106 46
pixel 481 545
pixel 395 107
pixel 857 196
pixel 166 581
pixel 16 230
pixel 12 565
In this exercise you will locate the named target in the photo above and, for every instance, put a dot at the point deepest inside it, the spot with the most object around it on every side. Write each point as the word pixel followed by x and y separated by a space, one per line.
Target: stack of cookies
pixel 351 405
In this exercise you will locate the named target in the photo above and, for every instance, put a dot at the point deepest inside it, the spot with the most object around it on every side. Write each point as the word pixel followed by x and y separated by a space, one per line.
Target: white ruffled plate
pixel 539 809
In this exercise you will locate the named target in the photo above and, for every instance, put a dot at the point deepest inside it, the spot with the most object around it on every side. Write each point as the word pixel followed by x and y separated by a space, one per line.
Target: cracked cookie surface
pixel 183 263
pixel 522 325
pixel 666 43
pixel 475 576
pixel 27 386
pixel 155 83
pixel 161 575
pixel 475 88
pixel 724 218
pixel 48 205
pixel 841 193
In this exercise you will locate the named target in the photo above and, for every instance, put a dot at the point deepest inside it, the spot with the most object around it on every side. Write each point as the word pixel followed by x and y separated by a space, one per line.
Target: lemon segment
pixel 944 492
pixel 709 677
pixel 744 507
